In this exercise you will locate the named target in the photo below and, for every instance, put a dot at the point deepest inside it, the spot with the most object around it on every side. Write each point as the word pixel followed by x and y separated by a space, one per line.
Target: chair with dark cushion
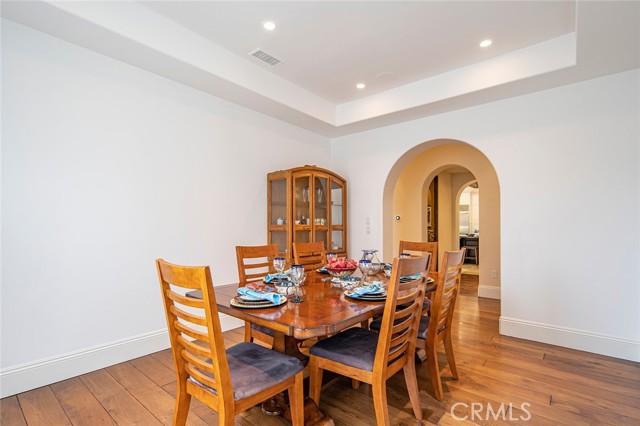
pixel 255 263
pixel 371 357
pixel 230 381
pixel 438 326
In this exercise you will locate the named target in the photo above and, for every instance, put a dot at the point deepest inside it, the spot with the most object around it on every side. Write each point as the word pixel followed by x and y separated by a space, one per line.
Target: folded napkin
pixel 274 298
pixel 374 287
pixel 272 277
pixel 410 277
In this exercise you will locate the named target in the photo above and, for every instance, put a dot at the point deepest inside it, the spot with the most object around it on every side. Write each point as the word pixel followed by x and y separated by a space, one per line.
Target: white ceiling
pixel 327 47
pixel 418 58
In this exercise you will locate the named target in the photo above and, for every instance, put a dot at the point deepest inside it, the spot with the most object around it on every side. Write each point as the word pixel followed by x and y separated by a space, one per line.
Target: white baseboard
pixel 24 377
pixel 571 338
pixel 489 291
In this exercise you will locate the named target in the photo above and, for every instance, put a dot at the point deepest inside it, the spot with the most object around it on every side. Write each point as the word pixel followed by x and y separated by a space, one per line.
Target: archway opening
pixel 408 196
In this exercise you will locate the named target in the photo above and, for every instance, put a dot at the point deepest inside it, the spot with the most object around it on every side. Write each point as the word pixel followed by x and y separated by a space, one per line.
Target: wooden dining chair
pixel 310 255
pixel 371 357
pixel 228 381
pixel 437 327
pixel 254 263
pixel 421 248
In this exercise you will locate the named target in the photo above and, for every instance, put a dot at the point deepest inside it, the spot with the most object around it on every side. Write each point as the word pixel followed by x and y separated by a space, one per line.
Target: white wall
pixel 105 168
pixel 573 278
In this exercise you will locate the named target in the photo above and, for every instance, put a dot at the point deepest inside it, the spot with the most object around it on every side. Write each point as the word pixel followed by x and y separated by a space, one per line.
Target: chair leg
pixel 411 378
pixel 355 383
pixel 448 348
pixel 315 380
pixel 296 400
pixel 247 332
pixel 226 418
pixel 434 372
pixel 181 412
pixel 379 388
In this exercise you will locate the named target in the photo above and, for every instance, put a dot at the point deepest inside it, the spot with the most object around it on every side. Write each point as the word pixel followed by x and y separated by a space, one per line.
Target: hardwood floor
pixel 545 384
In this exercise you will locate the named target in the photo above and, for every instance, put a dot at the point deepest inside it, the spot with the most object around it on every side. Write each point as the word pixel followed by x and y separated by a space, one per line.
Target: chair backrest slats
pixel 192 346
pixel 421 248
pixel 201 377
pixel 311 255
pixel 196 335
pixel 399 327
pixel 184 300
pixel 199 363
pixel 187 316
pixel 255 262
pixel 190 332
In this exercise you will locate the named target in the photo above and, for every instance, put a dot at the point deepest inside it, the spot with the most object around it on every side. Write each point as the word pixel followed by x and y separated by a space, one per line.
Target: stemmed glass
pixel 365 267
pixel 297 277
pixel 278 265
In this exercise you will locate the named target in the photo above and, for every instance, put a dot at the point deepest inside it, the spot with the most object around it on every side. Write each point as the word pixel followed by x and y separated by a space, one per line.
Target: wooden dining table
pixel 326 310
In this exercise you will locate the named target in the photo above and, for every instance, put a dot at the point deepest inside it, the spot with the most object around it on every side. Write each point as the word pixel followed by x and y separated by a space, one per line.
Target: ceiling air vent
pixel 265 57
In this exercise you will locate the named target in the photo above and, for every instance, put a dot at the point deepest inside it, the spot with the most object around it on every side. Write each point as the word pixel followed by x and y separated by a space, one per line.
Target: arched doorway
pixel 404 197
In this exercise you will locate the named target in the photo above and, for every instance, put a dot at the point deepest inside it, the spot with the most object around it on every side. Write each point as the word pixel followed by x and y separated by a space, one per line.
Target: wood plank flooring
pixel 536 384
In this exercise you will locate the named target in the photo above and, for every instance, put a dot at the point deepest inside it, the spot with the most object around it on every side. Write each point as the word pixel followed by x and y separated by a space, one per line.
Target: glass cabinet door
pixel 320 210
pixel 278 213
pixel 337 216
pixel 302 208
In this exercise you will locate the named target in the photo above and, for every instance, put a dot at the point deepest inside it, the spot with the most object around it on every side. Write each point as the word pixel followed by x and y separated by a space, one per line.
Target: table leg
pixel 288 345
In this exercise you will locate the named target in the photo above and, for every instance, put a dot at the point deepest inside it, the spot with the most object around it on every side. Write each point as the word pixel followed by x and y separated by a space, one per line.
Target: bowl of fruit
pixel 341 267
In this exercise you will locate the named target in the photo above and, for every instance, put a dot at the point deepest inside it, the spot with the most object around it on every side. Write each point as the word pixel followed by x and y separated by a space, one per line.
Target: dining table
pixel 326 309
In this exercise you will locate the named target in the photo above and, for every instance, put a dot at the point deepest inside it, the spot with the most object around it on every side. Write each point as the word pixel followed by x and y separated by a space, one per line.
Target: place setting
pixel 257 299
pixel 285 283
pixel 372 292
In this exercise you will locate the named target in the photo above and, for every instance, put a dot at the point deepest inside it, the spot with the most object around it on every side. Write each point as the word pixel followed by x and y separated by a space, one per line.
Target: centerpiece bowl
pixel 341 272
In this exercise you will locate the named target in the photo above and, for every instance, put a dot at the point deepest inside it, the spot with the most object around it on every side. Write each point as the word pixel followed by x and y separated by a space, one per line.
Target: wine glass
pixel 297 277
pixel 365 267
pixel 278 265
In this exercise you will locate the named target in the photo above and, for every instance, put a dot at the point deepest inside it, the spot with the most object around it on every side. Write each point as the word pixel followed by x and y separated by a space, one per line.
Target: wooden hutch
pixel 307 204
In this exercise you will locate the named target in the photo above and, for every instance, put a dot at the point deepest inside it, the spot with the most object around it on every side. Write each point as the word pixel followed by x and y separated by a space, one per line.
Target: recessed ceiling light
pixel 361 86
pixel 269 26
pixel 486 43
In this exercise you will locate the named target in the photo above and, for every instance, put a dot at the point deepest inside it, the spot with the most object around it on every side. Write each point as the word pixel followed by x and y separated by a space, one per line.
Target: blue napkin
pixel 271 277
pixel 274 298
pixel 374 287
pixel 410 277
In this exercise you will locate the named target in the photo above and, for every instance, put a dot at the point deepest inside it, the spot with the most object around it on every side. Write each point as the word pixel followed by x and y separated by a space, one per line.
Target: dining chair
pixel 422 247
pixel 311 255
pixel 437 326
pixel 371 357
pixel 254 263
pixel 228 381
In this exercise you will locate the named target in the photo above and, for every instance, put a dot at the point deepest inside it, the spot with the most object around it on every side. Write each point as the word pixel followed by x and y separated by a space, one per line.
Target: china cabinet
pixel 307 204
